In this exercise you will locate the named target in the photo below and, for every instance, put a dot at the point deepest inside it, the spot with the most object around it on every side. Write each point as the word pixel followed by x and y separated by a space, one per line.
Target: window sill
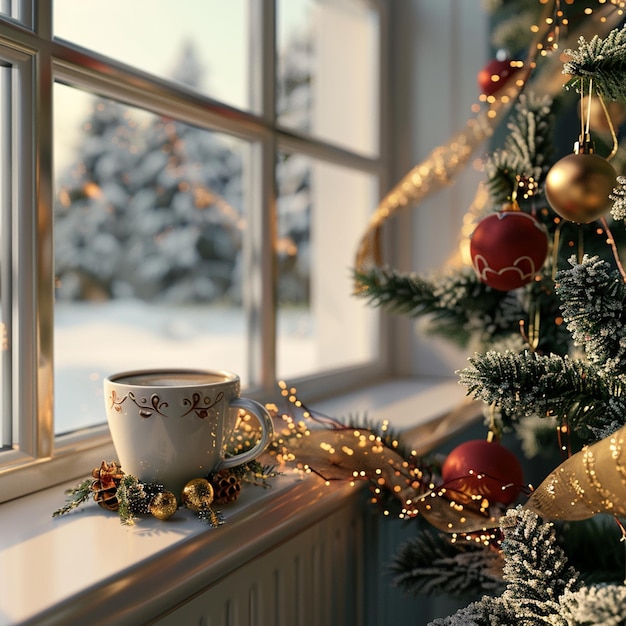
pixel 67 570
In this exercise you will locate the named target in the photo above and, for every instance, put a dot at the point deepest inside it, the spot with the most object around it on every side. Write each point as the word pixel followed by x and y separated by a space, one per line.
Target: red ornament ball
pixel 578 187
pixel 507 249
pixel 484 468
pixel 496 74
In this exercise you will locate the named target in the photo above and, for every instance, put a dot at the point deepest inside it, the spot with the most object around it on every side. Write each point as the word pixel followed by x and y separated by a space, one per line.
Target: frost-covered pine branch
pixel 528 384
pixel 594 309
pixel 598 604
pixel 459 305
pixel 430 564
pixel 537 576
pixel 527 147
pixel 535 567
pixel 603 60
pixel 618 210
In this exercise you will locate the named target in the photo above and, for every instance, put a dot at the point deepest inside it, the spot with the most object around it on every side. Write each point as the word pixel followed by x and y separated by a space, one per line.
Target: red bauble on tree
pixel 496 74
pixel 507 249
pixel 483 468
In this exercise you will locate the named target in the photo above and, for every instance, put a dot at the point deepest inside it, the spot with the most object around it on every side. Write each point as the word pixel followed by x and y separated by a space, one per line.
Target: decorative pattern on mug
pixel 200 405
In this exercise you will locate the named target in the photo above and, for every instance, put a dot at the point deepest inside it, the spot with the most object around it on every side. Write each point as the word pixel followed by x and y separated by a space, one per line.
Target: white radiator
pixel 316 578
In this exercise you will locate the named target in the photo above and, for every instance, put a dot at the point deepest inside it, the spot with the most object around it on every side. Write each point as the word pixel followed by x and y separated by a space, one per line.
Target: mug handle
pixel 267 432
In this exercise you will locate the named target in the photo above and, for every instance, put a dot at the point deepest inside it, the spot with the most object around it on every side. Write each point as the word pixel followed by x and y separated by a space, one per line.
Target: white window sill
pixel 87 568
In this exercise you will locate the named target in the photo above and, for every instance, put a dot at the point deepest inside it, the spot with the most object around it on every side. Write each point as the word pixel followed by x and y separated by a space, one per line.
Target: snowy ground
pixel 95 340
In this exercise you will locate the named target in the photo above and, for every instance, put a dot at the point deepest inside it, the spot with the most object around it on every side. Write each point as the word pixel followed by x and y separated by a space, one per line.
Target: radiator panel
pixel 313 579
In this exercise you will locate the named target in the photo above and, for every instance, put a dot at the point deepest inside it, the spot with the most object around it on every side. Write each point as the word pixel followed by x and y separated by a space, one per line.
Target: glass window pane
pixel 321 325
pixel 202 44
pixel 149 219
pixel 325 86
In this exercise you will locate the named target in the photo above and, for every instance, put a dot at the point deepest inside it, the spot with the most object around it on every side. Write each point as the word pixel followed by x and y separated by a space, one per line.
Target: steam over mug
pixel 169 426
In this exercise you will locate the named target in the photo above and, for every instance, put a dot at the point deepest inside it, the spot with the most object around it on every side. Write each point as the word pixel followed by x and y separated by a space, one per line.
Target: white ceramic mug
pixel 171 425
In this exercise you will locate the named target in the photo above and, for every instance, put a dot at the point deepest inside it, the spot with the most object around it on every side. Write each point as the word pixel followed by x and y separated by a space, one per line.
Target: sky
pixel 149 34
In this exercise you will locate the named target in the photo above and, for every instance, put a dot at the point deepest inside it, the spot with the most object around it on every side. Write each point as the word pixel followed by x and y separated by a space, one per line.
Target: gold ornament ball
pixel 198 494
pixel 163 505
pixel 578 187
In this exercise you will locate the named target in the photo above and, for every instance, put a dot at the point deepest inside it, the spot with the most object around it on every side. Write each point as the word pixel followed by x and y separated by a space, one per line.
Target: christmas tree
pixel 537 294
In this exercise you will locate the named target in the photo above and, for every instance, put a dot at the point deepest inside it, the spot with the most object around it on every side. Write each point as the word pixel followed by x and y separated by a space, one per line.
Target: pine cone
pixel 108 477
pixel 226 487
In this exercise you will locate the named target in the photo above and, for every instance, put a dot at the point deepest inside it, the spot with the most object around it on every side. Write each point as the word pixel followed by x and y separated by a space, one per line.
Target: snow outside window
pixel 183 184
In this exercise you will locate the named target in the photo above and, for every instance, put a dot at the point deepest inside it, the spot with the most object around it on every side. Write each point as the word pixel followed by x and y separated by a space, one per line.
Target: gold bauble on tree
pixel 578 185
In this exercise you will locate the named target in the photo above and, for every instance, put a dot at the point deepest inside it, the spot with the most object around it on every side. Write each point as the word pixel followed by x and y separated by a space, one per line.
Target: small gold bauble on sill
pixel 163 505
pixel 198 494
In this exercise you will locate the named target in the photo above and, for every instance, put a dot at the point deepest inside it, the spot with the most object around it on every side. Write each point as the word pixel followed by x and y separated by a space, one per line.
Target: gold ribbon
pixel 589 482
pixel 446 161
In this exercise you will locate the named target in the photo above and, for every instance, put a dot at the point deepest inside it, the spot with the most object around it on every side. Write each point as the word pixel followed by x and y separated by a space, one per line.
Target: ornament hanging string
pixel 585 131
pixel 446 161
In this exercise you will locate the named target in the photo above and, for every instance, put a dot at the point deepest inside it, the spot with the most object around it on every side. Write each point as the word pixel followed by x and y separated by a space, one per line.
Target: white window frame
pixel 41 459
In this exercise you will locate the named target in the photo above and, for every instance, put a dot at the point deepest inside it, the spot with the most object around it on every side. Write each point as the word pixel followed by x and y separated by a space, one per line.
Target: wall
pixel 439 49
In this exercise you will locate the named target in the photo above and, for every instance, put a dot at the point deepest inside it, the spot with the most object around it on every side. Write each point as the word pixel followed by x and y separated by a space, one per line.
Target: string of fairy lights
pixel 445 162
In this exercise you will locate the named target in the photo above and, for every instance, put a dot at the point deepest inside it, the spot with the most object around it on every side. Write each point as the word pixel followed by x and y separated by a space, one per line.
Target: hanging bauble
pixel 483 468
pixel 578 186
pixel 163 505
pixel 507 249
pixel 497 74
pixel 197 494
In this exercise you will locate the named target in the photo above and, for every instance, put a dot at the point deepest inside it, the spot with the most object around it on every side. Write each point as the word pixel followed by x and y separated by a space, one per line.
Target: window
pixel 180 187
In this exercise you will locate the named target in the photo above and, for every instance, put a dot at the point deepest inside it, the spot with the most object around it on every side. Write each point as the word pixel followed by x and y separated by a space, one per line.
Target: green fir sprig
pixel 77 495
pixel 604 61
pixel 460 306
pixel 129 491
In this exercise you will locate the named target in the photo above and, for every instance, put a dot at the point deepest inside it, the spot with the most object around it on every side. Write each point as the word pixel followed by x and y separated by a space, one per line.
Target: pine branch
pixel 535 568
pixel 531 384
pixel 431 564
pixel 537 575
pixel 604 61
pixel 618 210
pixel 527 148
pixel 486 612
pixel 594 301
pixel 79 494
pixel 598 604
pixel 128 490
pixel 460 306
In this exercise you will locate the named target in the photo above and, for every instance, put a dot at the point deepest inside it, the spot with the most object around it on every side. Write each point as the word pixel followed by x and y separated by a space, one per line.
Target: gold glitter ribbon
pixel 589 482
pixel 438 170
pixel 446 161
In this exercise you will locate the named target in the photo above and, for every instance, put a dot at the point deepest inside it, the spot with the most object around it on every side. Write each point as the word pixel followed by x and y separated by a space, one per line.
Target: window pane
pixel 202 44
pixel 325 86
pixel 149 218
pixel 320 324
